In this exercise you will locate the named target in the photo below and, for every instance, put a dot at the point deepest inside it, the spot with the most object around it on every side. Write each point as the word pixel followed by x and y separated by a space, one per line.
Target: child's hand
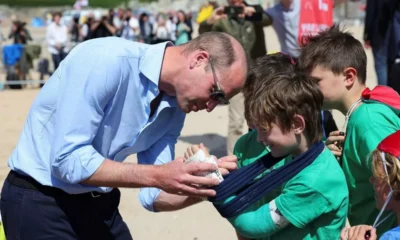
pixel 227 164
pixel 334 142
pixel 359 232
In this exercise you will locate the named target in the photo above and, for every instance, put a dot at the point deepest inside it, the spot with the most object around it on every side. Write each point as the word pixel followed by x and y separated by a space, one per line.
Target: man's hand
pixel 358 233
pixel 227 164
pixel 216 15
pixel 333 141
pixel 179 178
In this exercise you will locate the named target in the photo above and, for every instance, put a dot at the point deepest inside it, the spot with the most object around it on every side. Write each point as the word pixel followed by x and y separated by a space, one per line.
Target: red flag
pixel 384 95
pixel 315 15
pixel 391 98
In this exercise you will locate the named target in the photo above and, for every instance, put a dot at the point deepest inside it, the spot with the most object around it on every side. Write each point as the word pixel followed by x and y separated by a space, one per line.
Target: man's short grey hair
pixel 218 45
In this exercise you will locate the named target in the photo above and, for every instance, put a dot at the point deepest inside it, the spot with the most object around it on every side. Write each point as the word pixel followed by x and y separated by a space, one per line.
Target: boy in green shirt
pixel 311 205
pixel 338 62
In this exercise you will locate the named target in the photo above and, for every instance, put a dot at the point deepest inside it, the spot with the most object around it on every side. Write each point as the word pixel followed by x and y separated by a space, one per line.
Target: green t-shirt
pixel 368 125
pixel 315 201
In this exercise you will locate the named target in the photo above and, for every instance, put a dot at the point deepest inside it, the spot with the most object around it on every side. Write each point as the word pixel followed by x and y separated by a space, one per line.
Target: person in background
pixel 378 22
pixel 146 28
pixel 189 19
pixel 19 33
pixel 57 38
pixel 182 29
pixel 131 26
pixel 119 22
pixel 171 24
pixel 100 27
pixel 75 31
pixel 111 15
pixel 161 31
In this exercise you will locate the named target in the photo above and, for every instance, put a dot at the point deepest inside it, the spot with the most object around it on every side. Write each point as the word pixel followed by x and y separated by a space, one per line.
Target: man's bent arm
pixel 116 174
pixel 83 96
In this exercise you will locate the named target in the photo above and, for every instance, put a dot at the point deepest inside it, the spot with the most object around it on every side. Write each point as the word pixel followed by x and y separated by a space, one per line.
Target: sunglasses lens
pixel 220 97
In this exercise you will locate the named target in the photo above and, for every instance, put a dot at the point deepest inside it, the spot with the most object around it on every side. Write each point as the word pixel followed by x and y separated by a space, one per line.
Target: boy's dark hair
pixel 278 98
pixel 265 66
pixel 335 50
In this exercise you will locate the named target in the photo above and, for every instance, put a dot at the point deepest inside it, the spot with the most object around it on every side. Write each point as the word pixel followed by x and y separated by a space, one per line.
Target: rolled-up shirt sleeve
pixel 162 152
pixel 88 81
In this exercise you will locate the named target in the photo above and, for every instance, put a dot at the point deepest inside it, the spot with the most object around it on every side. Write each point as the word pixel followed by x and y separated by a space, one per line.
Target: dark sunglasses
pixel 217 94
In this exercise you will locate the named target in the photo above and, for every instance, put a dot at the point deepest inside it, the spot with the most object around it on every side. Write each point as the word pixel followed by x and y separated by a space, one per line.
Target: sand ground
pixel 199 222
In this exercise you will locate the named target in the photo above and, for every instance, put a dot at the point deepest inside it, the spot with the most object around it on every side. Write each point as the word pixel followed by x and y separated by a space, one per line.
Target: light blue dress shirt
pixel 286 25
pixel 96 106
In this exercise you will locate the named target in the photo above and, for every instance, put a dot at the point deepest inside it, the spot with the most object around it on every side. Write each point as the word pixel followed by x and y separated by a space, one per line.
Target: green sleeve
pixel 295 201
pixel 205 27
pixel 370 140
pixel 266 20
pixel 255 222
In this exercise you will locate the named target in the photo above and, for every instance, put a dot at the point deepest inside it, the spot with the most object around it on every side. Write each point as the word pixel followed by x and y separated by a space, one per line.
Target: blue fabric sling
pixel 248 189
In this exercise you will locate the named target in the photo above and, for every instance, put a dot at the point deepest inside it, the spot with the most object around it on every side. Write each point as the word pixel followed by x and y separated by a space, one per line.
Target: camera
pixel 233 11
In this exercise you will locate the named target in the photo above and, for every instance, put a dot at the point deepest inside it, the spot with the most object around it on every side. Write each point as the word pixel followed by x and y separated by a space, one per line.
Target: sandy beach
pixel 198 222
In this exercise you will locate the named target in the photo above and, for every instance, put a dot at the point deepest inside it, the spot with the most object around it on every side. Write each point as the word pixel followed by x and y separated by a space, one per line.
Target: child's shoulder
pixel 323 172
pixel 372 115
pixel 370 112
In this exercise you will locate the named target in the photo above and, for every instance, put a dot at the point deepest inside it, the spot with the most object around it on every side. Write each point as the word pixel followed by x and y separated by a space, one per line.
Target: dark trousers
pixel 57 58
pixel 49 213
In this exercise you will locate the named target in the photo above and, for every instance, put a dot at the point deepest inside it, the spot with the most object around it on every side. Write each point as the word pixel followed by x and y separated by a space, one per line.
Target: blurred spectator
pixel 131 26
pixel 171 25
pixel 161 31
pixel 75 31
pixel 146 28
pixel 19 33
pixel 182 29
pixel 189 22
pixel 57 38
pixel 85 28
pixel 378 21
pixel 1 34
pixel 99 26
pixel 119 22
pixel 111 15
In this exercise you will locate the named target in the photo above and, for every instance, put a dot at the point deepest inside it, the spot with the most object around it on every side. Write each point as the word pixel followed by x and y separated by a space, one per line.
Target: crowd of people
pixel 146 28
pixel 291 176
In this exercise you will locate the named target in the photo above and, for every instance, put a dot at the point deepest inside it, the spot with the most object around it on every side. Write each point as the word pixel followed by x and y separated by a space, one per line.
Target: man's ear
pixel 298 124
pixel 350 75
pixel 199 58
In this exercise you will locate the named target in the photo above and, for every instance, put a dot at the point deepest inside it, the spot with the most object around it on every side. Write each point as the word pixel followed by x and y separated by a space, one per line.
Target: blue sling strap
pixel 242 182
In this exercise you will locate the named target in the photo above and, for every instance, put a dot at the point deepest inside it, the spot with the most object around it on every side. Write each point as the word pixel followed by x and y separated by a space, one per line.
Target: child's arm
pixel 167 202
pixel 291 207
pixel 170 202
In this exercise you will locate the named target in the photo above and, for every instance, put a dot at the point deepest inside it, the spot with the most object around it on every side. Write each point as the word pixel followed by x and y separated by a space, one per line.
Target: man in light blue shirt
pixel 111 98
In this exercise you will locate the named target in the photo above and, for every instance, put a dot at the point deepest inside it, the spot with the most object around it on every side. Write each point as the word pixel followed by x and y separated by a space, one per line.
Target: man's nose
pixel 211 105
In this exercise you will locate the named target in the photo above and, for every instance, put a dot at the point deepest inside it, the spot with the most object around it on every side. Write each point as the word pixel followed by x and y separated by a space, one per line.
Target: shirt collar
pixel 150 67
pixel 151 63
